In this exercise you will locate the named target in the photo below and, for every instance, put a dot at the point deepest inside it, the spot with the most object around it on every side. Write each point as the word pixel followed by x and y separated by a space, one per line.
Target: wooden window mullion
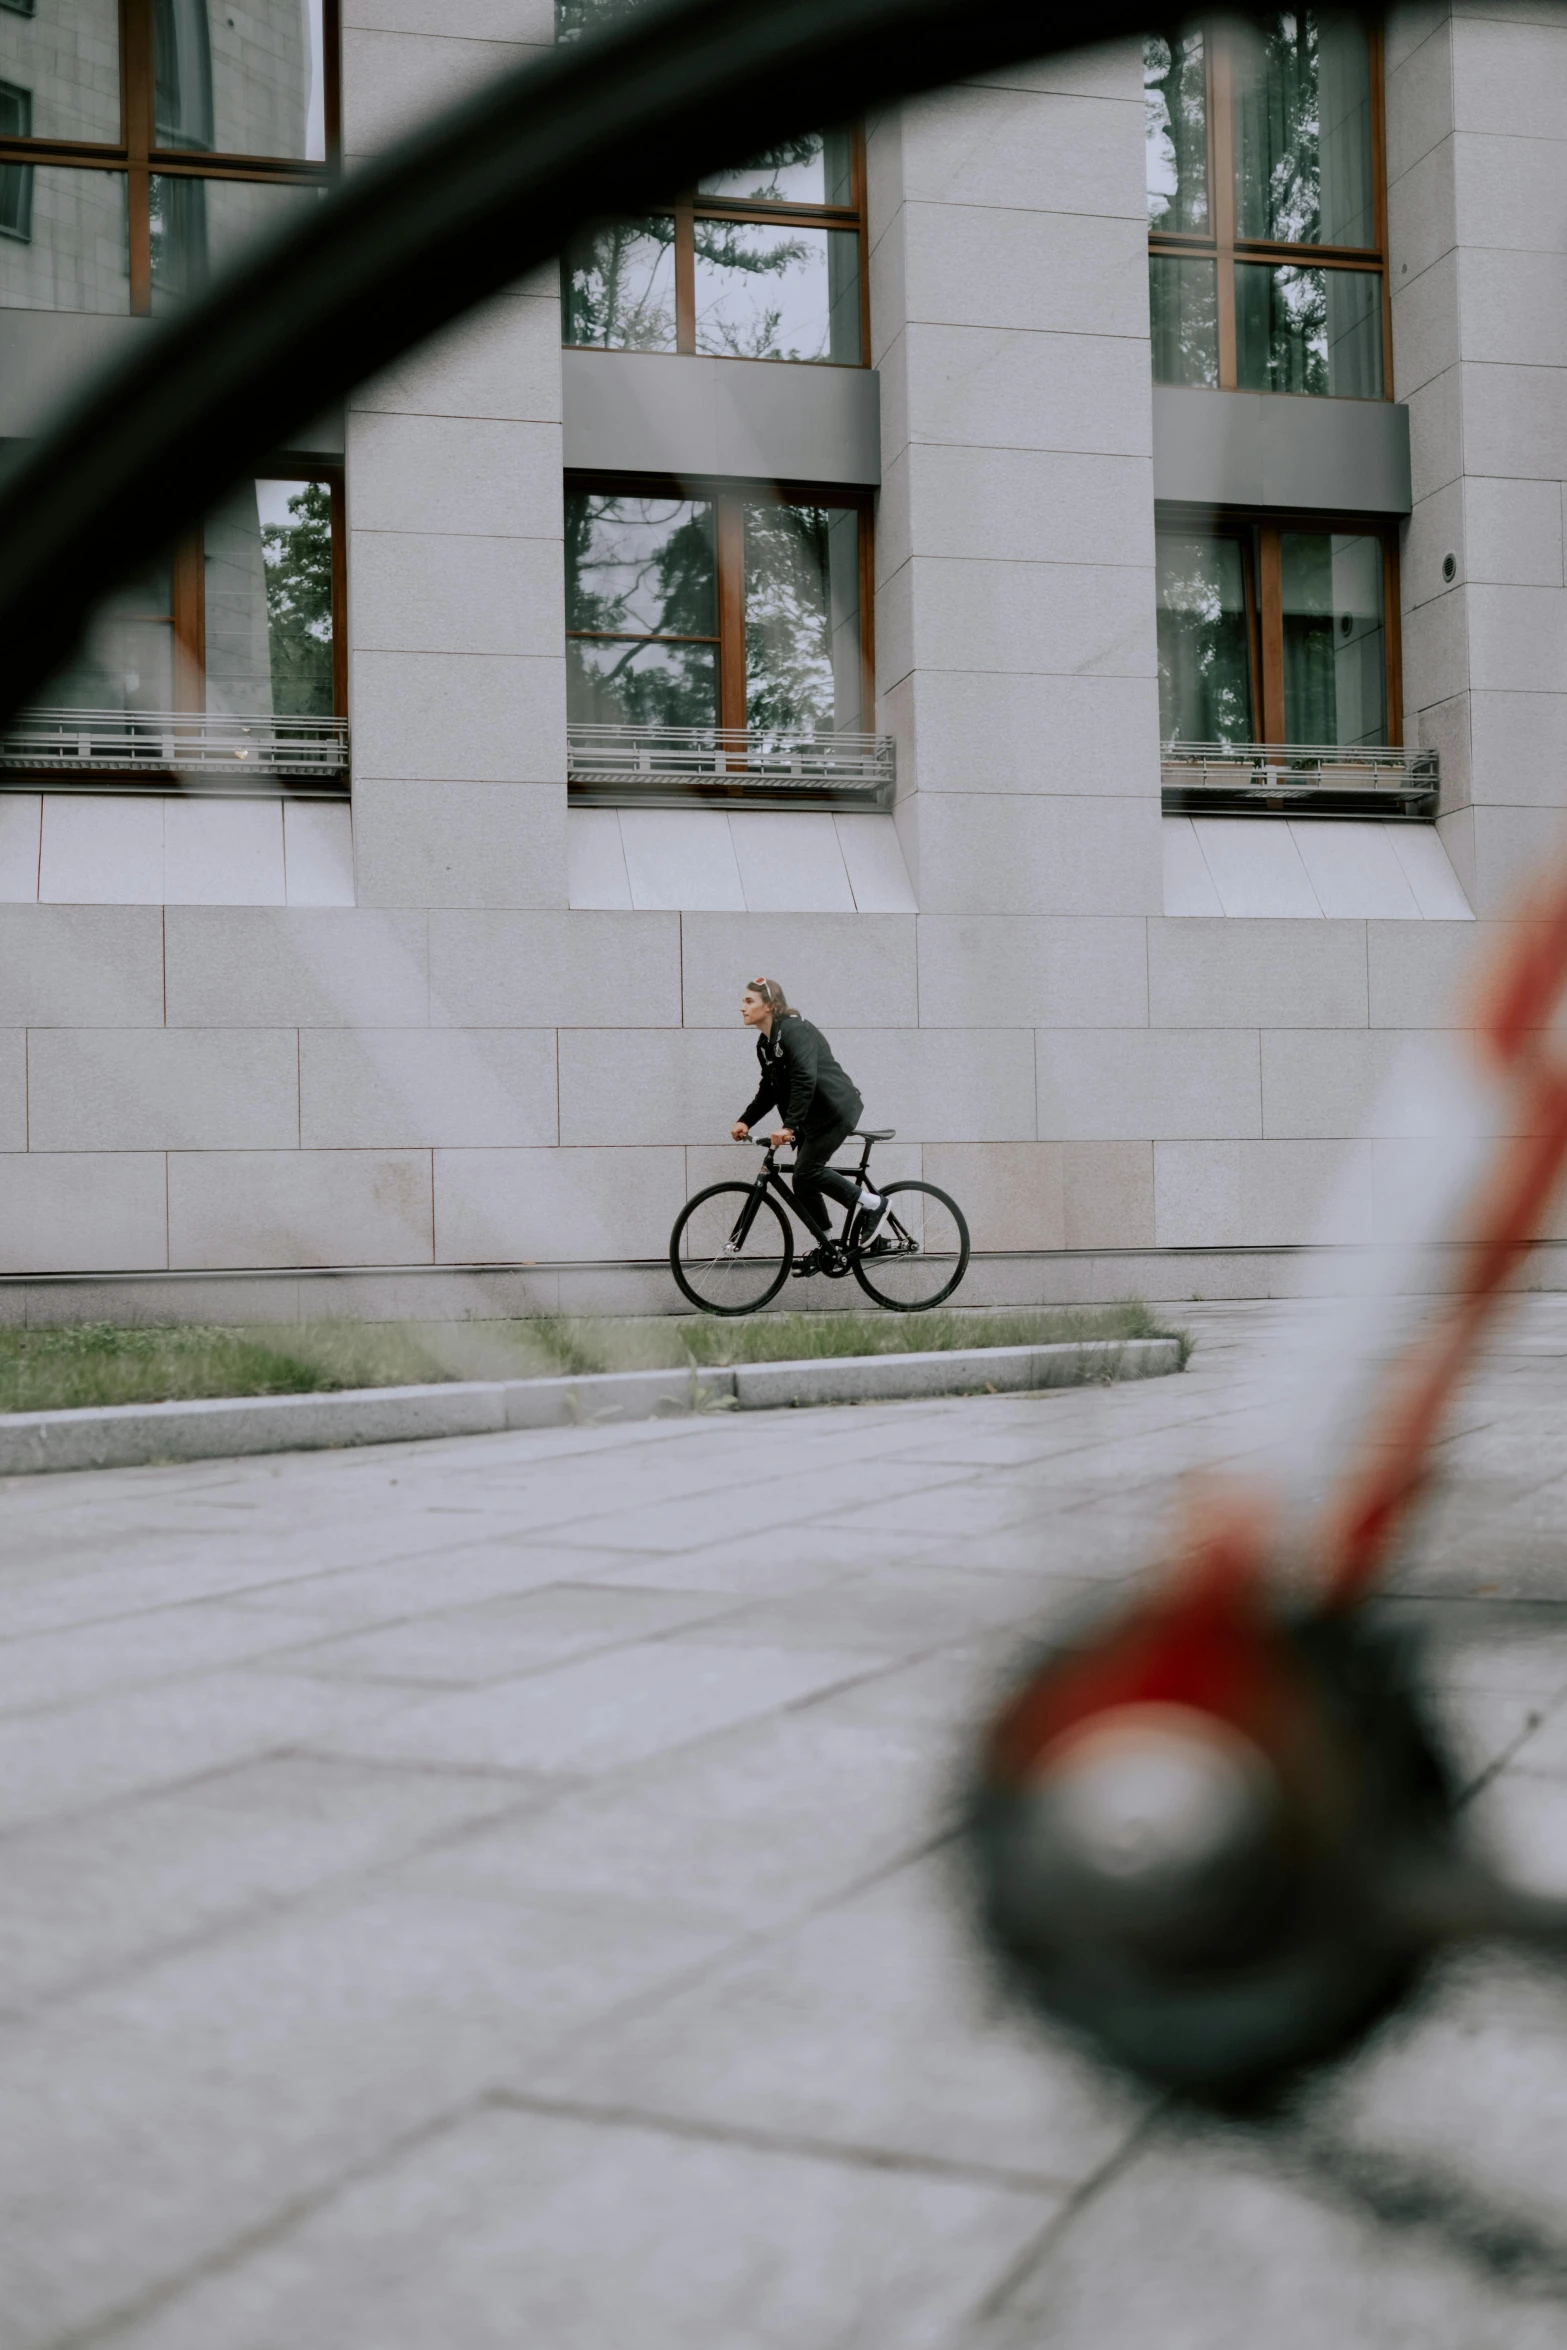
pixel 1221 198
pixel 685 278
pixel 731 612
pixel 190 623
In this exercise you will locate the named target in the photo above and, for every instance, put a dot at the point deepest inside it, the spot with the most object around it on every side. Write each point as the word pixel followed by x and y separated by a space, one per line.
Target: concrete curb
pixel 126 1436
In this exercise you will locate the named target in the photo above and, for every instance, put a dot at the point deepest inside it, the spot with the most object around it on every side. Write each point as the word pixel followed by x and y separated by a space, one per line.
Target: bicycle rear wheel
pixel 919 1252
pixel 731 1249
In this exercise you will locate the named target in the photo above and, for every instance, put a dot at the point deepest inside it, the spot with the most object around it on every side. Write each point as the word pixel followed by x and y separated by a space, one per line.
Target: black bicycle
pixel 732 1249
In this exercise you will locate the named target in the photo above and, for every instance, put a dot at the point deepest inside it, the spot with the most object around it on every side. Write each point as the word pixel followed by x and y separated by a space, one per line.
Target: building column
pixel 1477 162
pixel 456 628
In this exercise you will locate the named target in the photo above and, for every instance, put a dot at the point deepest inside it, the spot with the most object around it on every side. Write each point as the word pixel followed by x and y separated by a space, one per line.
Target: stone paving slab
pixel 498 1892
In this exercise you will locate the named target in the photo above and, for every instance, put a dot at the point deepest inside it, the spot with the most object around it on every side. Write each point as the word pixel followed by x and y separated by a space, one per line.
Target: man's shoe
pixel 869 1218
pixel 807 1265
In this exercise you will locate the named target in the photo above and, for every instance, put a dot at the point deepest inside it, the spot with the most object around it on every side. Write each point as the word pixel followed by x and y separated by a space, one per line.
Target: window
pixel 764 262
pixel 168 150
pixel 16 180
pixel 1276 632
pixel 699 606
pixel 1267 255
pixel 237 620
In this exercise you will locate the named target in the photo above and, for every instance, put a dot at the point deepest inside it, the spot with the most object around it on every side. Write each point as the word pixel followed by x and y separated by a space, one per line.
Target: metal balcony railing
pixel 109 750
pixel 653 766
pixel 1299 779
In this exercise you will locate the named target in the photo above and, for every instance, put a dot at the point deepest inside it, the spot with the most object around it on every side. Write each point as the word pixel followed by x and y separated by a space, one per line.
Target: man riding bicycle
pixel 818 1103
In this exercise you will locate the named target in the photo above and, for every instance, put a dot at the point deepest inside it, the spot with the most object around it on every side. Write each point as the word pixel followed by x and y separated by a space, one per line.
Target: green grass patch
pixel 103 1363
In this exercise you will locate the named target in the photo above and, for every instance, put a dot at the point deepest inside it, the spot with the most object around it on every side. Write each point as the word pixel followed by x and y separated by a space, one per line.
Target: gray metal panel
pixel 648 412
pixel 47 355
pixel 1276 449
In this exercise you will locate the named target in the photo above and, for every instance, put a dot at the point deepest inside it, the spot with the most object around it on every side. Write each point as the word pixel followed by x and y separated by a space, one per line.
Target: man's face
pixel 752 1009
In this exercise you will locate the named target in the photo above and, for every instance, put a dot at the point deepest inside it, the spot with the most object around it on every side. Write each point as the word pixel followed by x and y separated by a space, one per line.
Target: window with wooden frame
pixel 241 619
pixel 143 143
pixel 717 604
pixel 1277 630
pixel 1267 205
pixel 765 262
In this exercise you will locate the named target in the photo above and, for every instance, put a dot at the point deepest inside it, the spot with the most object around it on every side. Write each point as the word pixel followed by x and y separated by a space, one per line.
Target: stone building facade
pixel 462 1037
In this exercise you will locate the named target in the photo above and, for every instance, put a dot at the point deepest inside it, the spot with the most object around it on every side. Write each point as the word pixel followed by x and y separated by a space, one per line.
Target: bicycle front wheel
pixel 731 1249
pixel 919 1253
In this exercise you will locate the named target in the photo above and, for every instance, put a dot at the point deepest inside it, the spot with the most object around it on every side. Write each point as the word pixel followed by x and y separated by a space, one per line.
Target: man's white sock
pixel 869 1198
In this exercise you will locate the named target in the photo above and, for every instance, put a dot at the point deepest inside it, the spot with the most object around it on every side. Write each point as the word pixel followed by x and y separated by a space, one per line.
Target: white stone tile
pixel 944 1084
pixel 137 1089
pixel 503 361
pixel 1015 853
pixel 222 852
pixel 991 266
pixel 424 592
pixel 1031 505
pixel 469 844
pixel 1012 1193
pixel 537 1206
pixel 1040 971
pixel 21 816
pixel 589 969
pixel 392 80
pixel 473 717
pixel 1209 974
pixel 460 475
pixel 790 861
pixel 398 1088
pixel 1018 389
pixel 1418 972
pixel 1428 870
pixel 1025 151
pixel 93 1211
pixel 596 861
pixel 318 853
pixel 986 731
pixel 681 858
pixel 668 1085
pixel 82 966
pixel 1247 1194
pixel 1256 866
pixel 1323 1084
pixel 294 967
pixel 1354 871
pixel 873 860
pixel 844 970
pixel 230 1208
pixel 1188 884
pixel 1129 1084
pixel 101 852
pixel 1052 619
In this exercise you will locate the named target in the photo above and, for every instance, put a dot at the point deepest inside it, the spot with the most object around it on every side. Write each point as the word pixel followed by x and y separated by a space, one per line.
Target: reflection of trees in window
pixel 618 287
pixel 298 557
pixel 178 216
pixel 182 73
pixel 1288 100
pixel 1204 654
pixel 16 179
pixel 1175 109
pixel 802 637
pixel 734 609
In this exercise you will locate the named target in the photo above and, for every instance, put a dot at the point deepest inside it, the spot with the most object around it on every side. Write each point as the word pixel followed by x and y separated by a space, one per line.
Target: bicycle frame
pixel 770 1178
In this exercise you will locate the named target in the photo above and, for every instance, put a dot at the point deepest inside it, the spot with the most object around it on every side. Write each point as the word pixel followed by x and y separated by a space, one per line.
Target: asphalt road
pixel 498 1893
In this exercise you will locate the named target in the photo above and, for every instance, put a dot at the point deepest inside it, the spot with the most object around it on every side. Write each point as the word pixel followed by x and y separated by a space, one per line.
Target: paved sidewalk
pixel 493 1895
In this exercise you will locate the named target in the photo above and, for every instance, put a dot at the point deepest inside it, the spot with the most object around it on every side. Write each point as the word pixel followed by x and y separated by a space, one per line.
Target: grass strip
pixel 97 1363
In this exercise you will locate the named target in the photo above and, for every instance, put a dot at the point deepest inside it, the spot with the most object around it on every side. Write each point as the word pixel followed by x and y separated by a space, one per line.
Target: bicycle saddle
pixel 875 1133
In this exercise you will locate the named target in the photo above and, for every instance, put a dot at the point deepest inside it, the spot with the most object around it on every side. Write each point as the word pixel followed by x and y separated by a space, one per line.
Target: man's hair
pixel 771 994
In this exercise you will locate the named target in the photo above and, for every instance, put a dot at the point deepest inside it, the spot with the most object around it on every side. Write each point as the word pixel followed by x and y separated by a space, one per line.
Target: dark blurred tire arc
pixel 452 215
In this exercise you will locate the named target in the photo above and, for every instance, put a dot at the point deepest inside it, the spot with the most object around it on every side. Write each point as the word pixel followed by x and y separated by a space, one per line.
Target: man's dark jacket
pixel 801 1078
